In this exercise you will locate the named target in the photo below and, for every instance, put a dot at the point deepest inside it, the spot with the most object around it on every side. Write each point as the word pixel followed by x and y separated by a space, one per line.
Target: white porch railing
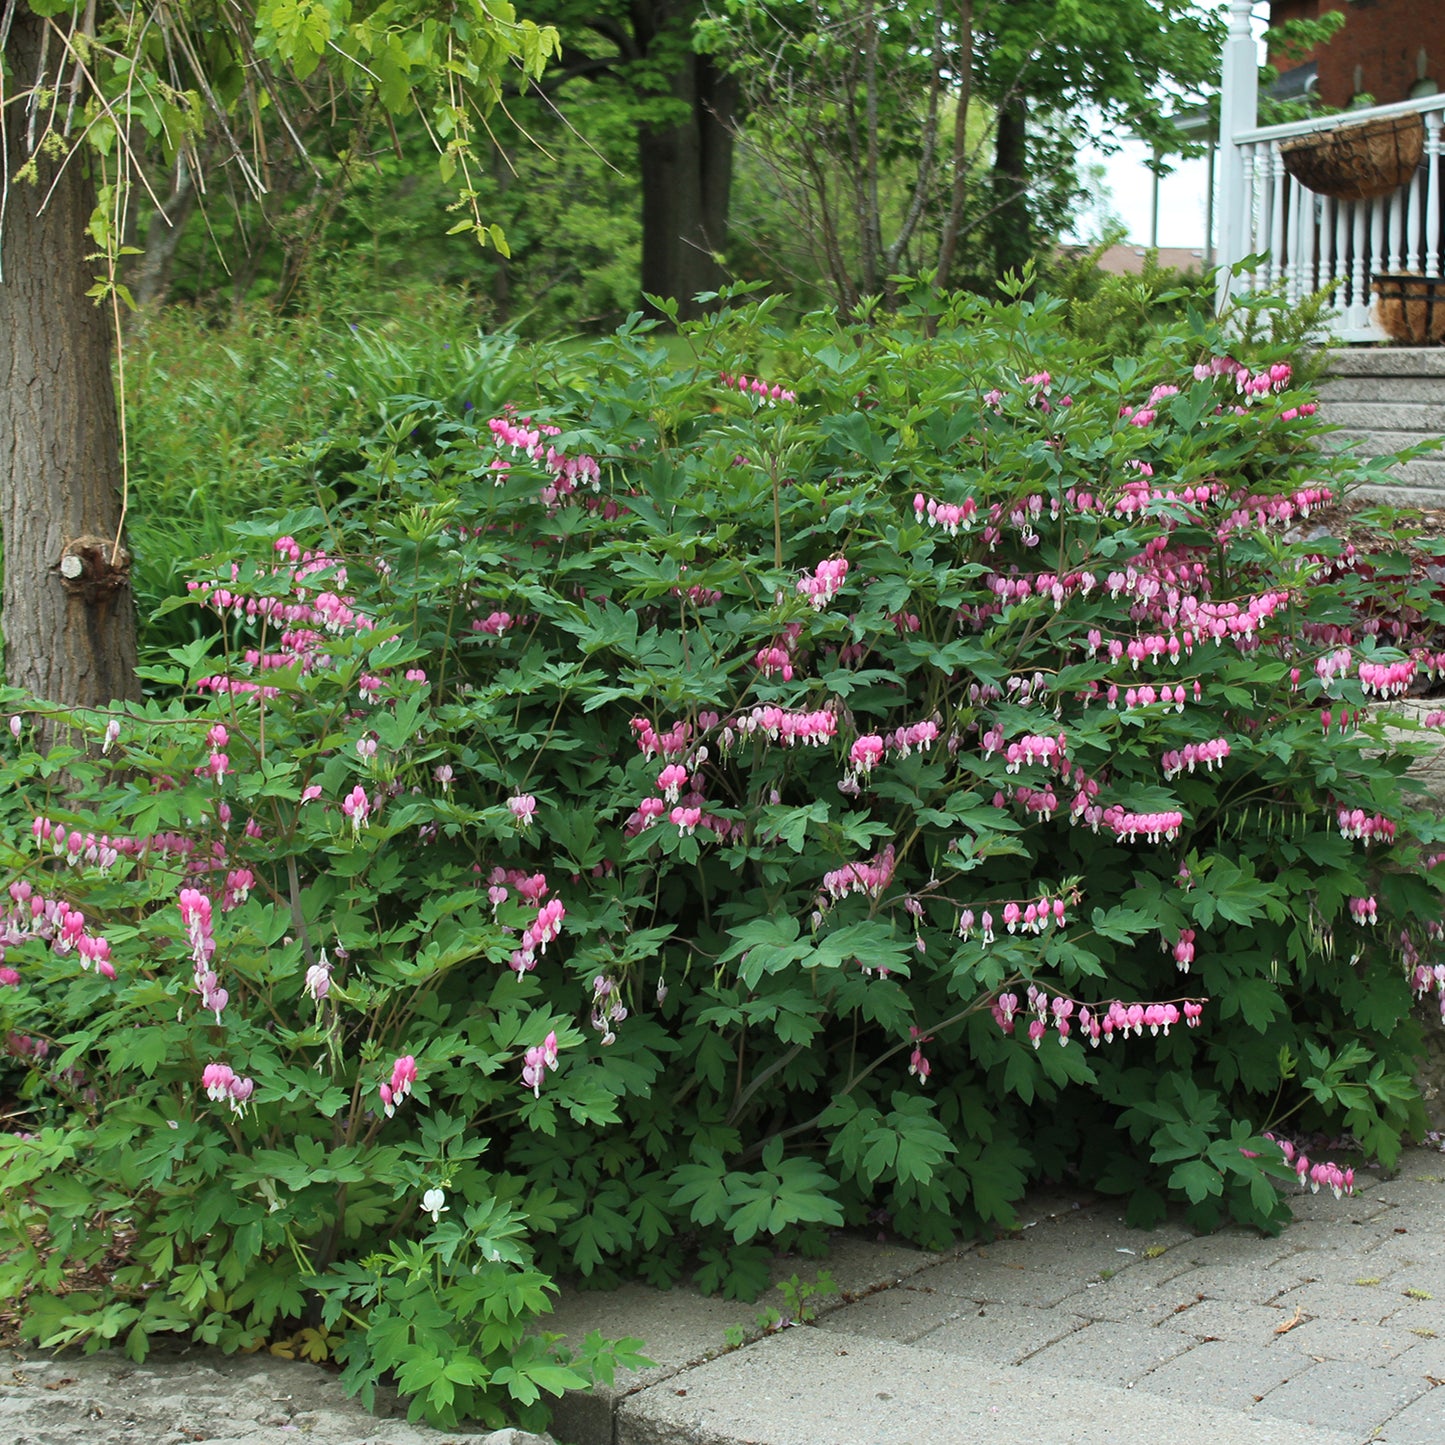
pixel 1309 240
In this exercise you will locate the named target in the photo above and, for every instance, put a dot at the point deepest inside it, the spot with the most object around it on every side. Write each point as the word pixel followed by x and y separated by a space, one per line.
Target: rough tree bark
pixel 1010 226
pixel 686 174
pixel 163 237
pixel 68 613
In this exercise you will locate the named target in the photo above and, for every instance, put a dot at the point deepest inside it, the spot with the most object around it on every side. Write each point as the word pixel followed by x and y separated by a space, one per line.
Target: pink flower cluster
pixel 607 1008
pixel 1043 801
pixel 825 582
pixel 1031 749
pixel 1426 978
pixel 1060 1014
pixel 515 432
pixel 1138 496
pixel 1183 949
pixel 25 1046
pixel 1031 917
pixel 537 935
pixel 1276 378
pixel 538 1059
pixel 1017 586
pixel 866 753
pixel 568 474
pixel 494 624
pixel 318 978
pixel 1333 664
pixel 522 808
pixel 870 750
pixel 775 661
pixel 1229 621
pixel 531 887
pixel 1388 679
pixel 918 1065
pixel 196 915
pixel 755 386
pixel 74 847
pixel 1364 910
pixel 312 610
pixel 669 744
pixel 1185 759
pixel 950 516
pixel 912 738
pixel 1356 823
pixel 870 877
pixel 685 819
pixel 1152 648
pixel 1314 1177
pixel 1145 695
pixel 1153 827
pixel 779 725
pixel 1259 511
pixel 223 1085
pixel 357 807
pixel 403 1076
pixel 32 915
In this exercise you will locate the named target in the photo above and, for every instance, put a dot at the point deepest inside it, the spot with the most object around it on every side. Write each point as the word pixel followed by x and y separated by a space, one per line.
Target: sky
pixel 1182 197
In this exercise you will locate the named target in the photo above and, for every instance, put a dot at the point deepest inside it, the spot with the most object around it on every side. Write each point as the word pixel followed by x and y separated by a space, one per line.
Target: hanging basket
pixel 1357 162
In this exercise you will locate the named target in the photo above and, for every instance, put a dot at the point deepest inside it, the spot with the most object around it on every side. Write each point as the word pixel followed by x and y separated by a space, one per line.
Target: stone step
pixel 1418 483
pixel 1411 484
pixel 1362 414
pixel 1388 361
pixel 1352 389
pixel 1374 443
pixel 1427 499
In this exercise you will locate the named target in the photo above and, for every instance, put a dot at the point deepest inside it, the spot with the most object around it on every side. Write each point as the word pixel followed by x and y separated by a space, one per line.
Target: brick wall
pixel 1380 47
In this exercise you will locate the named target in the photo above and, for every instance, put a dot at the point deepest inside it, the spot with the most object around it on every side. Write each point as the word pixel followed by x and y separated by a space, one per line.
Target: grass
pixel 229 419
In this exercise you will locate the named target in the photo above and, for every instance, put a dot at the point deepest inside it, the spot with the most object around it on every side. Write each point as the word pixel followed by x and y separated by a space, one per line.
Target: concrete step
pixel 1376 443
pixel 1388 361
pixel 1419 483
pixel 1350 389
pixel 1411 484
pixel 1366 414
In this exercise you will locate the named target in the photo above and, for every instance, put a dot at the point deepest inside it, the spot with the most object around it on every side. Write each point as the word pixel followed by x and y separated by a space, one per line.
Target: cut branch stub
pixel 93 567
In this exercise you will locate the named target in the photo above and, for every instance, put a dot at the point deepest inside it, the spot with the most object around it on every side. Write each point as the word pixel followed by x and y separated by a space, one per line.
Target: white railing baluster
pixel 1258 219
pixel 1432 193
pixel 1414 242
pixel 1342 250
pixel 1311 241
pixel 1276 216
pixel 1359 280
pixel 1377 247
pixel 1289 252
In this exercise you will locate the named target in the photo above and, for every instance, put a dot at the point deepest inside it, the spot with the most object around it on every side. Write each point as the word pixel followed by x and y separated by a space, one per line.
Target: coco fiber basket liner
pixel 1357 162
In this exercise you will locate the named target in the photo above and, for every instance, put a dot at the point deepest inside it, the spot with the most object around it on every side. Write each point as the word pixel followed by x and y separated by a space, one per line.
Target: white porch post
pixel 1238 111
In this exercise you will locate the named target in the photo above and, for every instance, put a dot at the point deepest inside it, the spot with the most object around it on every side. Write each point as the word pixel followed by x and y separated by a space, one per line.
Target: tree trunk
pixel 163 235
pixel 686 173
pixel 1010 223
pixel 69 616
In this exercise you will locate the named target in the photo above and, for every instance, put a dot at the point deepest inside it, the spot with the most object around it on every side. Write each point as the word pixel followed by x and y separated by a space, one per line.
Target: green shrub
pixel 253 414
pixel 673 817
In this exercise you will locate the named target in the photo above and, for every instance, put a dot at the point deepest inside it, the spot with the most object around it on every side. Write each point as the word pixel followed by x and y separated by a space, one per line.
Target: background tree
pixel 681 103
pixel 899 129
pixel 83 83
